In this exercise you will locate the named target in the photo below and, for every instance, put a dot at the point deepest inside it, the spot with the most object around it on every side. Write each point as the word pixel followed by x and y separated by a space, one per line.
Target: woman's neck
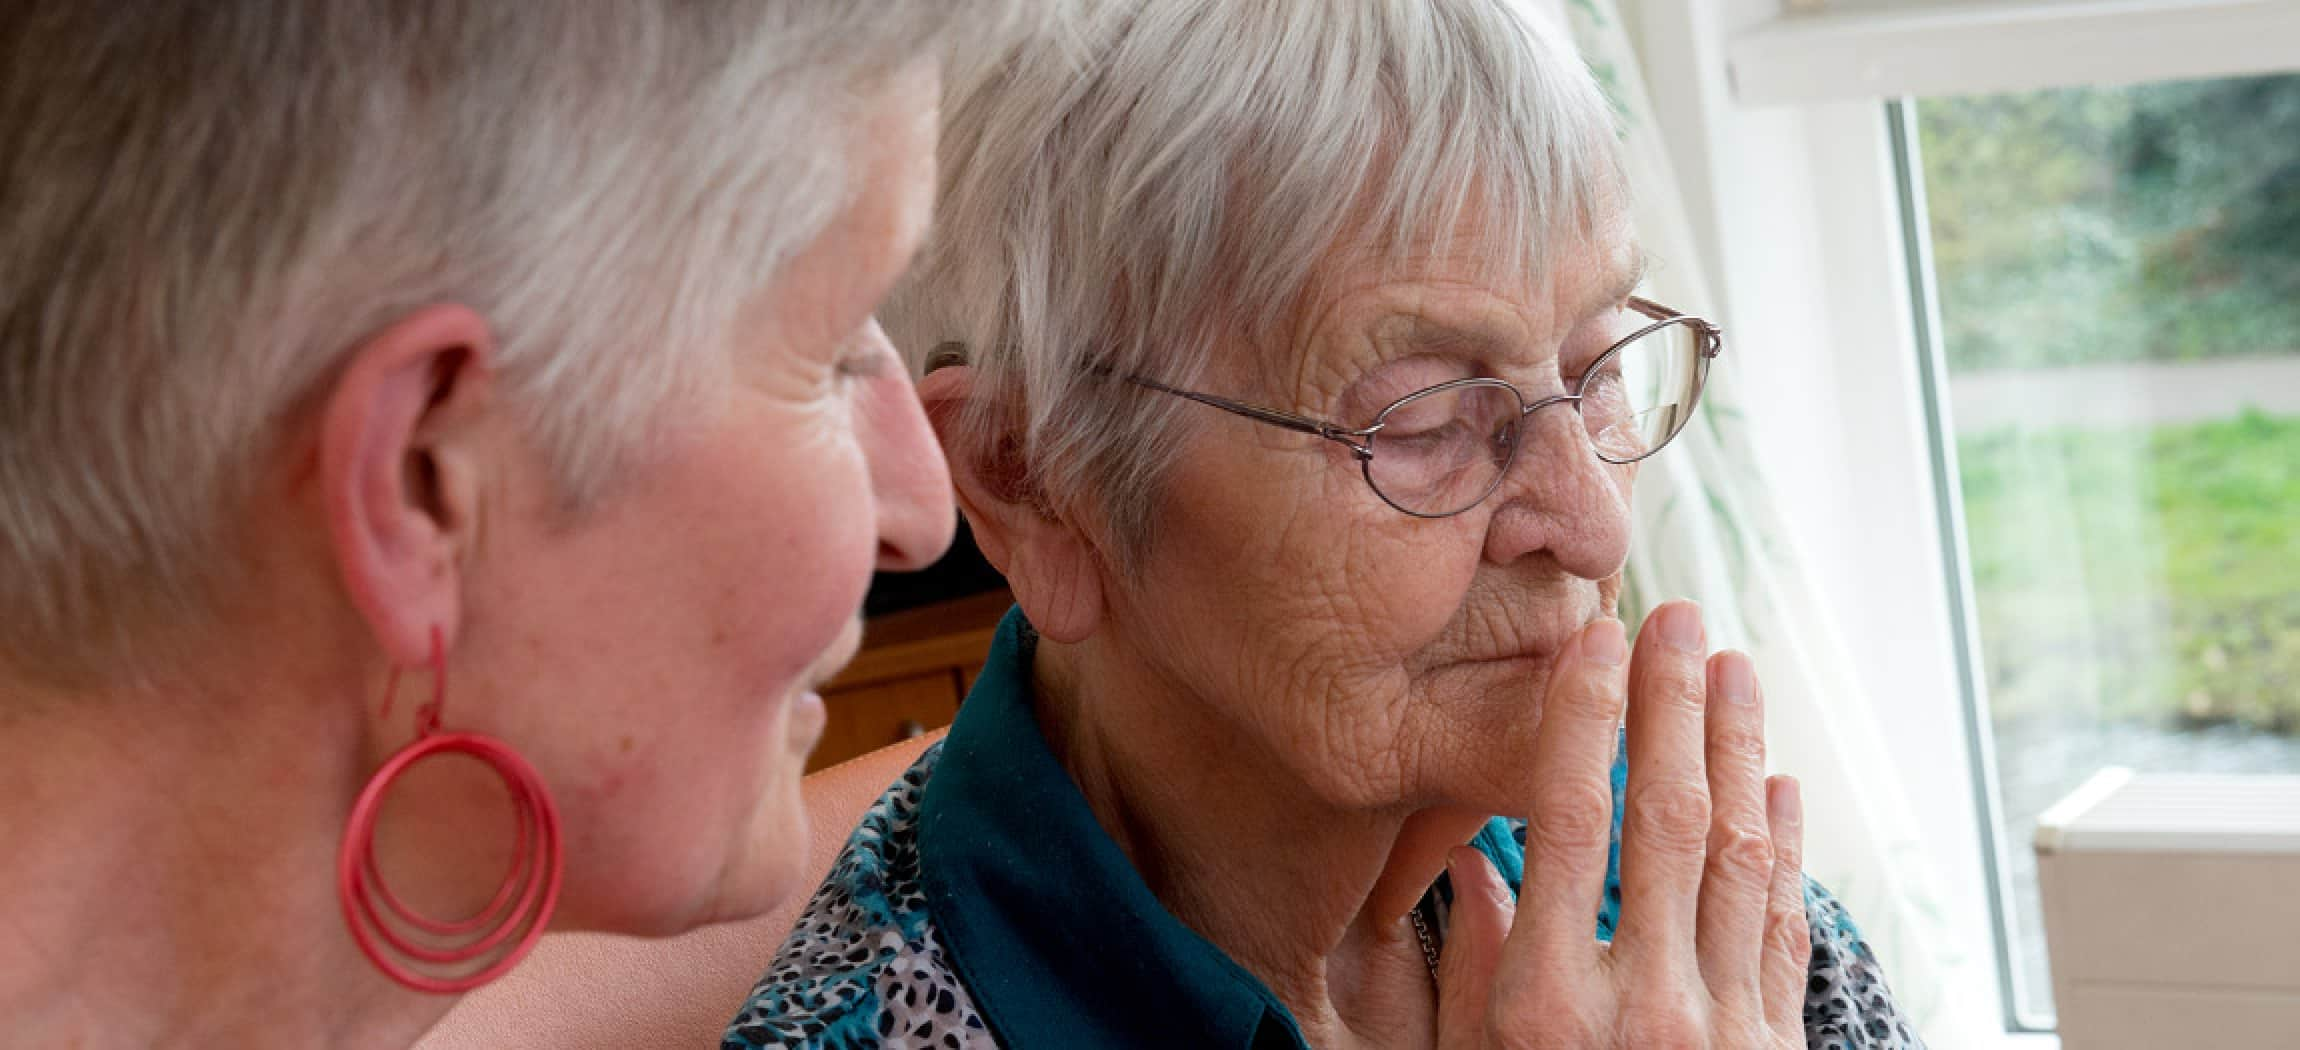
pixel 1309 897
pixel 170 879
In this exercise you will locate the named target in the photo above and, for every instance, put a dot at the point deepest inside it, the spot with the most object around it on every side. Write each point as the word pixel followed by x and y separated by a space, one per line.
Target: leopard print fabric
pixel 865 967
pixel 1847 1006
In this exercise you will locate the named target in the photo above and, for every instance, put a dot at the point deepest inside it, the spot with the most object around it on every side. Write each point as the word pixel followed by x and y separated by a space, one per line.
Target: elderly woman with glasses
pixel 1292 370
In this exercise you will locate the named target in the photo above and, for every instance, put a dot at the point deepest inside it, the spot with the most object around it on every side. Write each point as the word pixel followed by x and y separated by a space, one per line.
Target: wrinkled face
pixel 667 643
pixel 1392 660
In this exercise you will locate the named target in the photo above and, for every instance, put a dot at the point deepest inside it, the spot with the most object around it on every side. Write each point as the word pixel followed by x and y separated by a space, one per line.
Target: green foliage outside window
pixel 2141 574
pixel 2153 223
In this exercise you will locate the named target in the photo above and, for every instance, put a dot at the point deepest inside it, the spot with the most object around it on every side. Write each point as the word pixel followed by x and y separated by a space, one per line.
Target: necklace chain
pixel 1428 940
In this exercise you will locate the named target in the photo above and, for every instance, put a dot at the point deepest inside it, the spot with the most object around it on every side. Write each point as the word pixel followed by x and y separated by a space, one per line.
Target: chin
pixel 769 867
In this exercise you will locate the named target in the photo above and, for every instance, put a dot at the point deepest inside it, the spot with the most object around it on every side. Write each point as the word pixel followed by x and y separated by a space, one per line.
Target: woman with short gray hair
pixel 1292 370
pixel 443 443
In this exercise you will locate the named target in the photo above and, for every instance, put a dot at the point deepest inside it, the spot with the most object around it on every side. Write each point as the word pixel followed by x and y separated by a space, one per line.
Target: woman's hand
pixel 1713 943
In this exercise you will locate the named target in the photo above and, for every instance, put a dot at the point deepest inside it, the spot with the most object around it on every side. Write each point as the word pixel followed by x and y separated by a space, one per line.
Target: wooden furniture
pixel 914 667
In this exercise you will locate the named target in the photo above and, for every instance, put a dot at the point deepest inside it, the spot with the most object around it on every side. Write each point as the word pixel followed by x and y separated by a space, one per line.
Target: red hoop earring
pixel 442 956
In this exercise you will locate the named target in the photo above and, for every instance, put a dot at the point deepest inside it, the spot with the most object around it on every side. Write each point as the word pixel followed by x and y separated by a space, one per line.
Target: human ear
pixel 399 457
pixel 1048 561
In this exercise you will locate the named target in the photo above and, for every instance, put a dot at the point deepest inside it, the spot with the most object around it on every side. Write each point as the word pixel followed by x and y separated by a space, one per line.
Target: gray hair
pixel 1164 178
pixel 207 204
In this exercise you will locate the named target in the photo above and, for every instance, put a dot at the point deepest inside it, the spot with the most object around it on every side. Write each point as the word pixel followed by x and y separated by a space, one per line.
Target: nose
pixel 910 482
pixel 1559 498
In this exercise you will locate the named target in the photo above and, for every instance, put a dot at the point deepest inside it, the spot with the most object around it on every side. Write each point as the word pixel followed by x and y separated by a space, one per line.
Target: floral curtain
pixel 1707 528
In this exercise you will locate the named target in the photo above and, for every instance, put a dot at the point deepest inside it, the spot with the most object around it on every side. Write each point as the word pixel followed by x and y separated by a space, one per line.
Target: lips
pixel 1521 638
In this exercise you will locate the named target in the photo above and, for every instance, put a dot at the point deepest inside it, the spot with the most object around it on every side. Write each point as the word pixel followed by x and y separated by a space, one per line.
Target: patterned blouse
pixel 980 905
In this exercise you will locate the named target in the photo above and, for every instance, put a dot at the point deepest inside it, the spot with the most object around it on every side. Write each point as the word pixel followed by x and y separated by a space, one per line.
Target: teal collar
pixel 1053 931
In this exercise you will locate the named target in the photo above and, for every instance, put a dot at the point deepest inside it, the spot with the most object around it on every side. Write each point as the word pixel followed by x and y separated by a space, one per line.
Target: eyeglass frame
pixel 1359 440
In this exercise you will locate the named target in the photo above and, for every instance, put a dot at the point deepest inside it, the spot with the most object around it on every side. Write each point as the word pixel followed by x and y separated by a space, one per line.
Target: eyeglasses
pixel 1440 451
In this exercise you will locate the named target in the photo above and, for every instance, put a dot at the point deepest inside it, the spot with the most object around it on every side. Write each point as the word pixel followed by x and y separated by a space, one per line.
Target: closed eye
pixel 1611 369
pixel 863 366
pixel 863 357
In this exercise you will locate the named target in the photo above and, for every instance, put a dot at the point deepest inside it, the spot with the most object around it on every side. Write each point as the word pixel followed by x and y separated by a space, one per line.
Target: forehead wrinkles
pixel 1463 258
pixel 1376 307
pixel 1371 323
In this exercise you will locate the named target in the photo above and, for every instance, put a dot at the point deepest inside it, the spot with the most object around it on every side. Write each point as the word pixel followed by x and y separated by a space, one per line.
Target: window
pixel 1804 187
pixel 2117 273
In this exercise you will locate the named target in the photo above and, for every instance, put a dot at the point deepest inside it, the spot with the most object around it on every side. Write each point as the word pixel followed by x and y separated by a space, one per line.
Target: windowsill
pixel 1917 48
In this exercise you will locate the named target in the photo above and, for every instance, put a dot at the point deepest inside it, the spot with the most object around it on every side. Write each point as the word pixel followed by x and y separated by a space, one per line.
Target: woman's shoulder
pixel 864 961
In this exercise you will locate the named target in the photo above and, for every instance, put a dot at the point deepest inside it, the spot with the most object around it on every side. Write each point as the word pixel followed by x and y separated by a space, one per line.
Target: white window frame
pixel 1777 121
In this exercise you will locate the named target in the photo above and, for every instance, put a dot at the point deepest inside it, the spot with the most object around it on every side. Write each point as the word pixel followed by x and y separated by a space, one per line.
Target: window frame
pixel 1956 557
pixel 1908 48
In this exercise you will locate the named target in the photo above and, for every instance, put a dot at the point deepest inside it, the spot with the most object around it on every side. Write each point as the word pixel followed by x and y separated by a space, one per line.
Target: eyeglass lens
pixel 1442 450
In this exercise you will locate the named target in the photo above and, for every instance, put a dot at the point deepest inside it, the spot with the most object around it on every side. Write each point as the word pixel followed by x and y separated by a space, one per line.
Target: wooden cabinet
pixel 914 668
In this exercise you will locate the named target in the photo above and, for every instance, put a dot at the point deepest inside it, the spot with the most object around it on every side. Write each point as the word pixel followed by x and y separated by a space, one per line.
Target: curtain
pixel 1706 528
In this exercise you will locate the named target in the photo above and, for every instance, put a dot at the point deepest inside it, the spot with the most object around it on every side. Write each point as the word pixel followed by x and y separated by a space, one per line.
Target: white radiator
pixel 2172 906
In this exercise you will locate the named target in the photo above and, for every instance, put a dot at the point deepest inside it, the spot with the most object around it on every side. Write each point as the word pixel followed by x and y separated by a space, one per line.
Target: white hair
pixel 208 204
pixel 1163 180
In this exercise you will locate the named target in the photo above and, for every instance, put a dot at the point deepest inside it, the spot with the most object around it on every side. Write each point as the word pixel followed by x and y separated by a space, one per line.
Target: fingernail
pixel 1457 867
pixel 1736 680
pixel 1680 624
pixel 1604 644
pixel 1788 800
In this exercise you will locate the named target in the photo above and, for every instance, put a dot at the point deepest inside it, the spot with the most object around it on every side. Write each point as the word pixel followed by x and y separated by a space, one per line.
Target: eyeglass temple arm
pixel 1302 424
pixel 1712 336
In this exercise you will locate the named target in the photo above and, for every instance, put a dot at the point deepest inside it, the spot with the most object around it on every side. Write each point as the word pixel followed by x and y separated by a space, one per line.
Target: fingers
pixel 1738 880
pixel 1665 826
pixel 1475 929
pixel 1788 933
pixel 1569 829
